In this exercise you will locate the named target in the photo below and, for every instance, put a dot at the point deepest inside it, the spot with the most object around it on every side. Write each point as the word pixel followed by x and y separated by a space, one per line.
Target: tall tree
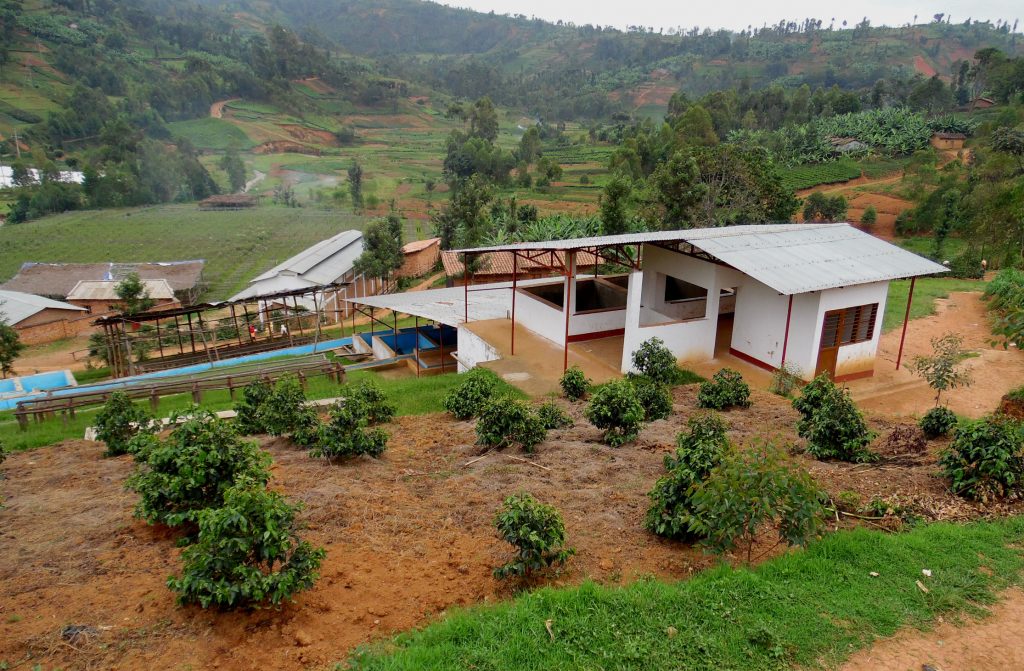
pixel 134 295
pixel 355 185
pixel 382 248
pixel 614 206
pixel 10 345
pixel 483 120
pixel 232 164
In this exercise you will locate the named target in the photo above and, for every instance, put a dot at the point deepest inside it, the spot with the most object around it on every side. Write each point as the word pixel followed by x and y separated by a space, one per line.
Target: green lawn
pixel 413 396
pixel 237 246
pixel 926 290
pixel 806 609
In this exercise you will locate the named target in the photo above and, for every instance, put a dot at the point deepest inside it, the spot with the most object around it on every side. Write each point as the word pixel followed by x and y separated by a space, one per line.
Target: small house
pixel 99 297
pixel 953 141
pixel 420 257
pixel 41 320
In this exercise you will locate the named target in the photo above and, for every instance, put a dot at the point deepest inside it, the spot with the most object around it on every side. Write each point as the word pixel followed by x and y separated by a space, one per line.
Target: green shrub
pixel 282 412
pixel 477 387
pixel 615 408
pixel 3 453
pixel 749 490
pixel 249 410
pixel 308 429
pixel 654 360
pixel 832 424
pixel 698 451
pixel 725 389
pixel 347 433
pixel 192 468
pixel 507 421
pixel 247 553
pixel 967 265
pixel 869 216
pixel 376 406
pixel 574 383
pixel 537 532
pixel 937 422
pixel 654 396
pixel 986 459
pixel 119 421
pixel 552 416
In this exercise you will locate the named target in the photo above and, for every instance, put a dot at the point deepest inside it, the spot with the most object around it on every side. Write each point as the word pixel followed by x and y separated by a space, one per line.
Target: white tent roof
pixel 790 258
pixel 16 306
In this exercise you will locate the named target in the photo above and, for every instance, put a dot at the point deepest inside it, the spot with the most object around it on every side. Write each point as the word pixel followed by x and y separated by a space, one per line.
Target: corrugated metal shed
pixel 106 290
pixel 790 258
pixel 325 262
pixel 16 306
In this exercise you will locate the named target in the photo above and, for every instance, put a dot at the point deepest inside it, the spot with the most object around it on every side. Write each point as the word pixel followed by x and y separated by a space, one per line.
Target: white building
pixel 811 296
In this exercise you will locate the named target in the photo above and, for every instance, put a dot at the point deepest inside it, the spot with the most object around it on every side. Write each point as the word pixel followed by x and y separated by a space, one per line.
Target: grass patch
pixel 926 291
pixel 413 396
pixel 210 133
pixel 807 608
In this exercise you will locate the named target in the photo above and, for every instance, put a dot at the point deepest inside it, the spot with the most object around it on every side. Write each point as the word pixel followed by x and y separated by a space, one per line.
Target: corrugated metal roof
pixel 16 306
pixel 790 258
pixel 106 290
pixel 500 263
pixel 448 306
pixel 333 256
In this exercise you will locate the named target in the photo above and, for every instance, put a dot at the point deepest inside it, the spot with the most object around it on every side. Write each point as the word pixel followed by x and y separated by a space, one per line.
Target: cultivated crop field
pixel 236 245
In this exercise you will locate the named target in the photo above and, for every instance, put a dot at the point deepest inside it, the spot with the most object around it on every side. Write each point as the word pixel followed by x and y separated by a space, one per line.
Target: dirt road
pixel 217 108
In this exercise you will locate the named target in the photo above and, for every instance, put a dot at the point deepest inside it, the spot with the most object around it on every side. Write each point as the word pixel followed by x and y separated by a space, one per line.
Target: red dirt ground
pixel 922 66
pixel 408 536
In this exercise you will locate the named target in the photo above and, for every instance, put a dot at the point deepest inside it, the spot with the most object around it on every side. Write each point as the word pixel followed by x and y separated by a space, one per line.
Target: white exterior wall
pixel 759 327
pixel 857 358
pixel 472 350
pixel 549 322
pixel 691 340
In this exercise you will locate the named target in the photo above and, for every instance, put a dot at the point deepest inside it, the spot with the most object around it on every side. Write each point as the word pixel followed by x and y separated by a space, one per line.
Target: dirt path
pixel 984 645
pixel 428 283
pixel 899 392
pixel 257 177
pixel 217 108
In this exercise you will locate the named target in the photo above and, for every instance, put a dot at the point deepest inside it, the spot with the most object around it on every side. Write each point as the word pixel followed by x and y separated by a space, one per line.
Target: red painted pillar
pixel 569 272
pixel 906 319
pixel 515 278
pixel 785 339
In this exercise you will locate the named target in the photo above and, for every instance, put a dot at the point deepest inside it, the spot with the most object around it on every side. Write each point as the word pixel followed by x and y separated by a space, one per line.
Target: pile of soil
pixel 408 536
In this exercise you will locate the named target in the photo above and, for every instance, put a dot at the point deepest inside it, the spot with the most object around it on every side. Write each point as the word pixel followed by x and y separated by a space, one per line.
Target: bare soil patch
pixel 408 537
pixel 992 643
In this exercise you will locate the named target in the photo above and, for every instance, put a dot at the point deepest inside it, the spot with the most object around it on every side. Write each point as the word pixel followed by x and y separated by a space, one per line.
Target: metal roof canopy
pixel 789 258
pixel 448 305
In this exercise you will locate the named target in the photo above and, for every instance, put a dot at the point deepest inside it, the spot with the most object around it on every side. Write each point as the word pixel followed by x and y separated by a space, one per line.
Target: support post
pixel 465 287
pixel 245 311
pixel 416 334
pixel 570 269
pixel 234 320
pixel 906 319
pixel 159 340
pixel 515 281
pixel 191 333
pixel 785 339
pixel 177 331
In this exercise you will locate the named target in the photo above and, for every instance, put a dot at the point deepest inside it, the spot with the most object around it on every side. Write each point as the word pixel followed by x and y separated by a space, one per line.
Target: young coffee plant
pixel 986 459
pixel 467 399
pixel 282 412
pixel 191 469
pixel 376 406
pixel 348 433
pixel 699 450
pixel 507 421
pixel 553 417
pixel 944 368
pixel 247 553
pixel 119 421
pixel 937 422
pixel 832 424
pixel 574 383
pixel 784 381
pixel 537 532
pixel 3 453
pixel 654 396
pixel 615 408
pixel 249 410
pixel 654 360
pixel 725 389
pixel 751 490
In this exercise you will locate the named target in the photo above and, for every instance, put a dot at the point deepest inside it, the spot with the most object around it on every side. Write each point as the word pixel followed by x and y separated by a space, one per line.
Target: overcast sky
pixel 738 15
